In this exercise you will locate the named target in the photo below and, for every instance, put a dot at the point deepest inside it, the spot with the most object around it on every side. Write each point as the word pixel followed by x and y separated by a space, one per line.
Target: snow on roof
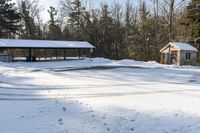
pixel 183 46
pixel 13 43
pixel 180 46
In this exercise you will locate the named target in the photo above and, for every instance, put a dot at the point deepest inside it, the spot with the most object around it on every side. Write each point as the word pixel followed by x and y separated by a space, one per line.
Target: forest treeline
pixel 133 30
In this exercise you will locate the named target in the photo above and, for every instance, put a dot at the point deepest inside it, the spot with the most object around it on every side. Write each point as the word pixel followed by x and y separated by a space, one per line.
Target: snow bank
pixel 140 63
pixel 87 62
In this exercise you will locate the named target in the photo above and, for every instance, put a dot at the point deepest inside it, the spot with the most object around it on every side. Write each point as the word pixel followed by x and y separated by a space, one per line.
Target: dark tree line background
pixel 117 31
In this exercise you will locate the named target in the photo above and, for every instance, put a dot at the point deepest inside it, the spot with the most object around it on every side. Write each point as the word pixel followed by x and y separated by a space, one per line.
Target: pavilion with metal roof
pixel 34 49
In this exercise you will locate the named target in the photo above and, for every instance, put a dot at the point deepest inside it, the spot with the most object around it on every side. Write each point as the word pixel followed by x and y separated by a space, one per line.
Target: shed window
pixel 188 56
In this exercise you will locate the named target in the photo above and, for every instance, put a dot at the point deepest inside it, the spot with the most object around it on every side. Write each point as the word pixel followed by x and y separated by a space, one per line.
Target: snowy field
pixel 99 96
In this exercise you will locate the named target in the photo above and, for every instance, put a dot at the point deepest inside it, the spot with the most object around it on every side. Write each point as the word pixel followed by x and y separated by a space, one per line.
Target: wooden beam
pixel 79 53
pixel 56 54
pixel 64 54
pixel 30 55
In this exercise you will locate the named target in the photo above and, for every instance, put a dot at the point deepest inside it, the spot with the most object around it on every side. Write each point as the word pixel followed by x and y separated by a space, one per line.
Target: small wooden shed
pixel 178 53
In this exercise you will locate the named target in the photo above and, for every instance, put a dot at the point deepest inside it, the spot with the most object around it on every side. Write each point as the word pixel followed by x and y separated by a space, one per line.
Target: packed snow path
pixel 99 96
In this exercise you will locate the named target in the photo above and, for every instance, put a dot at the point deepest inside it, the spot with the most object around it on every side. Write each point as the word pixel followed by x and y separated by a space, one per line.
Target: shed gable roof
pixel 13 43
pixel 179 46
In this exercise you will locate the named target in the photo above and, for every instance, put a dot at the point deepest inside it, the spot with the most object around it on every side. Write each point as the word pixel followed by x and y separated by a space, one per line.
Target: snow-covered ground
pixel 99 96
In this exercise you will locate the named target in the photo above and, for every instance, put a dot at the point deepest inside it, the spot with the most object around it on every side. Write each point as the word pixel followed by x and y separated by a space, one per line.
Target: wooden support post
pixel 161 58
pixel 39 54
pixel 91 52
pixel 12 57
pixel 169 55
pixel 79 53
pixel 6 53
pixel 56 54
pixel 30 55
pixel 64 54
pixel 4 58
pixel 45 55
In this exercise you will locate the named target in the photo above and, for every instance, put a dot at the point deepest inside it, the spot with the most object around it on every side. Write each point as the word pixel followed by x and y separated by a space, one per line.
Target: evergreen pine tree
pixel 117 30
pixel 193 15
pixel 54 32
pixel 9 18
pixel 75 15
pixel 144 27
pixel 106 32
pixel 29 29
